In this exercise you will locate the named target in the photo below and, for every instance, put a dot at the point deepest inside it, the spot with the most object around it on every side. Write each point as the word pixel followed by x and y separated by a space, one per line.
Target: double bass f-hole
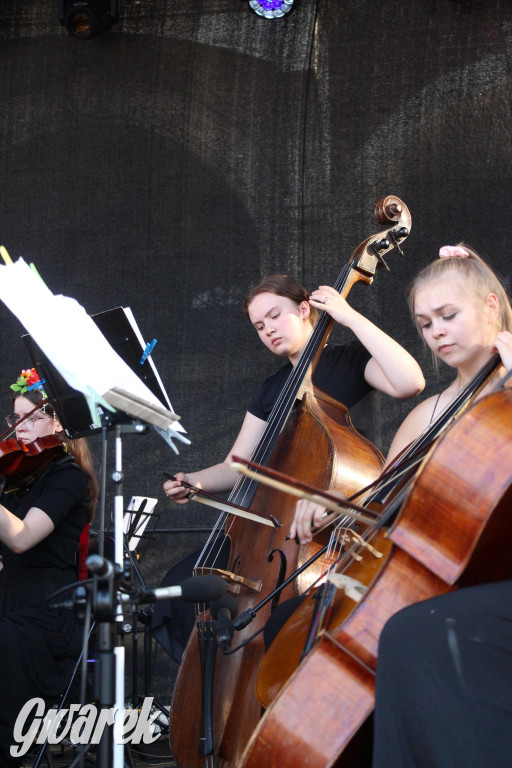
pixel 280 576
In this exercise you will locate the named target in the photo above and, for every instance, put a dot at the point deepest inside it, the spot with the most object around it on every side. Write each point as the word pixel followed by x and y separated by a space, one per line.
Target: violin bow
pixel 11 430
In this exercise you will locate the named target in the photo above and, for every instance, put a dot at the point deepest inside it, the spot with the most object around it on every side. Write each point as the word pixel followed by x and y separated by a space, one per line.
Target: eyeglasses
pixel 28 424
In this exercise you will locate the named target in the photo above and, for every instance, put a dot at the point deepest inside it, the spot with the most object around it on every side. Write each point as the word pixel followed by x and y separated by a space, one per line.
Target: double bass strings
pixel 245 489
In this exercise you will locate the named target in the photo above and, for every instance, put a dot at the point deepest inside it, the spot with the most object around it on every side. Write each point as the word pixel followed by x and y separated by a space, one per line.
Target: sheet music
pixel 135 524
pixel 72 341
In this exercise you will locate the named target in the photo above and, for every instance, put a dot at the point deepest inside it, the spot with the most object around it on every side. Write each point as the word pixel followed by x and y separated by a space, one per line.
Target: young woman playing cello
pixel 41 522
pixel 464 316
pixel 445 664
pixel 443 688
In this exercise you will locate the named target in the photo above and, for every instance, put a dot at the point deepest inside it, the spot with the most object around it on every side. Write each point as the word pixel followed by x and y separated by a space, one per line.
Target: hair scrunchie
pixel 453 252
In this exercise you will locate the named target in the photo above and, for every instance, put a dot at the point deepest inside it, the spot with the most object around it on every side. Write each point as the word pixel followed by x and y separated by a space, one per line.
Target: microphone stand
pixel 108 613
pixel 245 618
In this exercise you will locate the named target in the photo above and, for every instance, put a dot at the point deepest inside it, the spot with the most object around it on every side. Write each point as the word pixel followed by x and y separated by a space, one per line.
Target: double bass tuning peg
pixel 397 235
pixel 377 247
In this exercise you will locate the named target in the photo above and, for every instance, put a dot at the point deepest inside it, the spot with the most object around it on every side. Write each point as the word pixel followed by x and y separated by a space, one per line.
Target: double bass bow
pixel 214 709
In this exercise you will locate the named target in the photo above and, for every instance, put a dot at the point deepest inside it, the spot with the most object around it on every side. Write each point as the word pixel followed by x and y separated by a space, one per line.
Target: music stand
pixel 83 355
pixel 120 329
pixel 139 512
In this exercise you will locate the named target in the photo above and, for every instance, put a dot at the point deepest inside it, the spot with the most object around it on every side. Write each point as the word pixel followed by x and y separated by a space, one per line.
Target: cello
pixel 453 530
pixel 214 710
pixel 296 637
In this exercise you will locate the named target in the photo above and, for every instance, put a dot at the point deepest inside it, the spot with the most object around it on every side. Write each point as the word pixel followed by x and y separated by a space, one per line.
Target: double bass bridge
pixel 234 580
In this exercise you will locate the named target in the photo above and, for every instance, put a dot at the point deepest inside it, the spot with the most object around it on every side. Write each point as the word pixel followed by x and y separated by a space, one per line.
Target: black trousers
pixel 444 682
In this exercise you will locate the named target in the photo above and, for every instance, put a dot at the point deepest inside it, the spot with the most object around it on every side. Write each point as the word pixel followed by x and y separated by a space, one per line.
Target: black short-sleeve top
pixel 339 373
pixel 61 491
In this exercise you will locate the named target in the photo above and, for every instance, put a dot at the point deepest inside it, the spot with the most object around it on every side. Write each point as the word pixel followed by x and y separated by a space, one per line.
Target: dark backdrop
pixel 167 164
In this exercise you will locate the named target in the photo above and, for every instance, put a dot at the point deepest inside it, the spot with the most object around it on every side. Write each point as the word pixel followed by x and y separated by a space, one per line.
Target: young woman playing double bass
pixel 41 521
pixel 284 314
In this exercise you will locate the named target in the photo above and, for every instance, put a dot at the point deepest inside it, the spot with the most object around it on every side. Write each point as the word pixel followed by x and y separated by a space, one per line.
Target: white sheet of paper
pixel 68 336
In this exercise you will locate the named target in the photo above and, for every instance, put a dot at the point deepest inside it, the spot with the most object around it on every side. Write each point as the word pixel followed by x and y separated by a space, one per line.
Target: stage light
pixel 85 18
pixel 271 9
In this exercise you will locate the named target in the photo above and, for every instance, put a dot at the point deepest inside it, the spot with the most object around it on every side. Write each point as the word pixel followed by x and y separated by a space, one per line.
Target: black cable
pixel 59 591
pixel 234 650
pixel 83 655
pixel 88 628
pixel 80 756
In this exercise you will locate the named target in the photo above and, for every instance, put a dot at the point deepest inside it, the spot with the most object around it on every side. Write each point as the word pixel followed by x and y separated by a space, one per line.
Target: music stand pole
pixel 103 493
pixel 111 667
pixel 119 651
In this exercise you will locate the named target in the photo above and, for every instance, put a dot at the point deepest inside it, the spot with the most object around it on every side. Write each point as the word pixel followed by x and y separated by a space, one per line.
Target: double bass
pixel 308 434
pixel 453 530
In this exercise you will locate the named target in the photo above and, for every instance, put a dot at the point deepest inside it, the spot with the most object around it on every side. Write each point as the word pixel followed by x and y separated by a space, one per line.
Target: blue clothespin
pixel 149 348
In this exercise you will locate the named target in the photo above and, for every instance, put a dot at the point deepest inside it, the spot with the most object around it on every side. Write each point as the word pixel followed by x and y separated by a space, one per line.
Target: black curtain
pixel 169 163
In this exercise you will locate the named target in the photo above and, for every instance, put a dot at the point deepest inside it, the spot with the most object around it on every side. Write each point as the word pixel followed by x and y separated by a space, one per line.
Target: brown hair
pixel 477 278
pixel 281 285
pixel 79 449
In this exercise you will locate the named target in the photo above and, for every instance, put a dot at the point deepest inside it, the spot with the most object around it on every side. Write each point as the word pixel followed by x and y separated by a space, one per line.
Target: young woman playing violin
pixel 464 315
pixel 41 521
pixel 283 315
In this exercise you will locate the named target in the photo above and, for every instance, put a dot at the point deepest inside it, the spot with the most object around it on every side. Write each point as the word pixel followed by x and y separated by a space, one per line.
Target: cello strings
pixel 408 460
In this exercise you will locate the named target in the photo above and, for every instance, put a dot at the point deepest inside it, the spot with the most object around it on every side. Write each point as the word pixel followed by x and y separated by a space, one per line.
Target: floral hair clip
pixel 453 252
pixel 27 381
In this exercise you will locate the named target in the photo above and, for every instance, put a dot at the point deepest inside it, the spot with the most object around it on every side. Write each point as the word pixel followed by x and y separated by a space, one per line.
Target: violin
pixel 20 462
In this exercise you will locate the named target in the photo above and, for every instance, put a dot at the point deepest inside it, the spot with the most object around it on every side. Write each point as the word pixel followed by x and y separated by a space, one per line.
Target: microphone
pixel 223 611
pixel 198 589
